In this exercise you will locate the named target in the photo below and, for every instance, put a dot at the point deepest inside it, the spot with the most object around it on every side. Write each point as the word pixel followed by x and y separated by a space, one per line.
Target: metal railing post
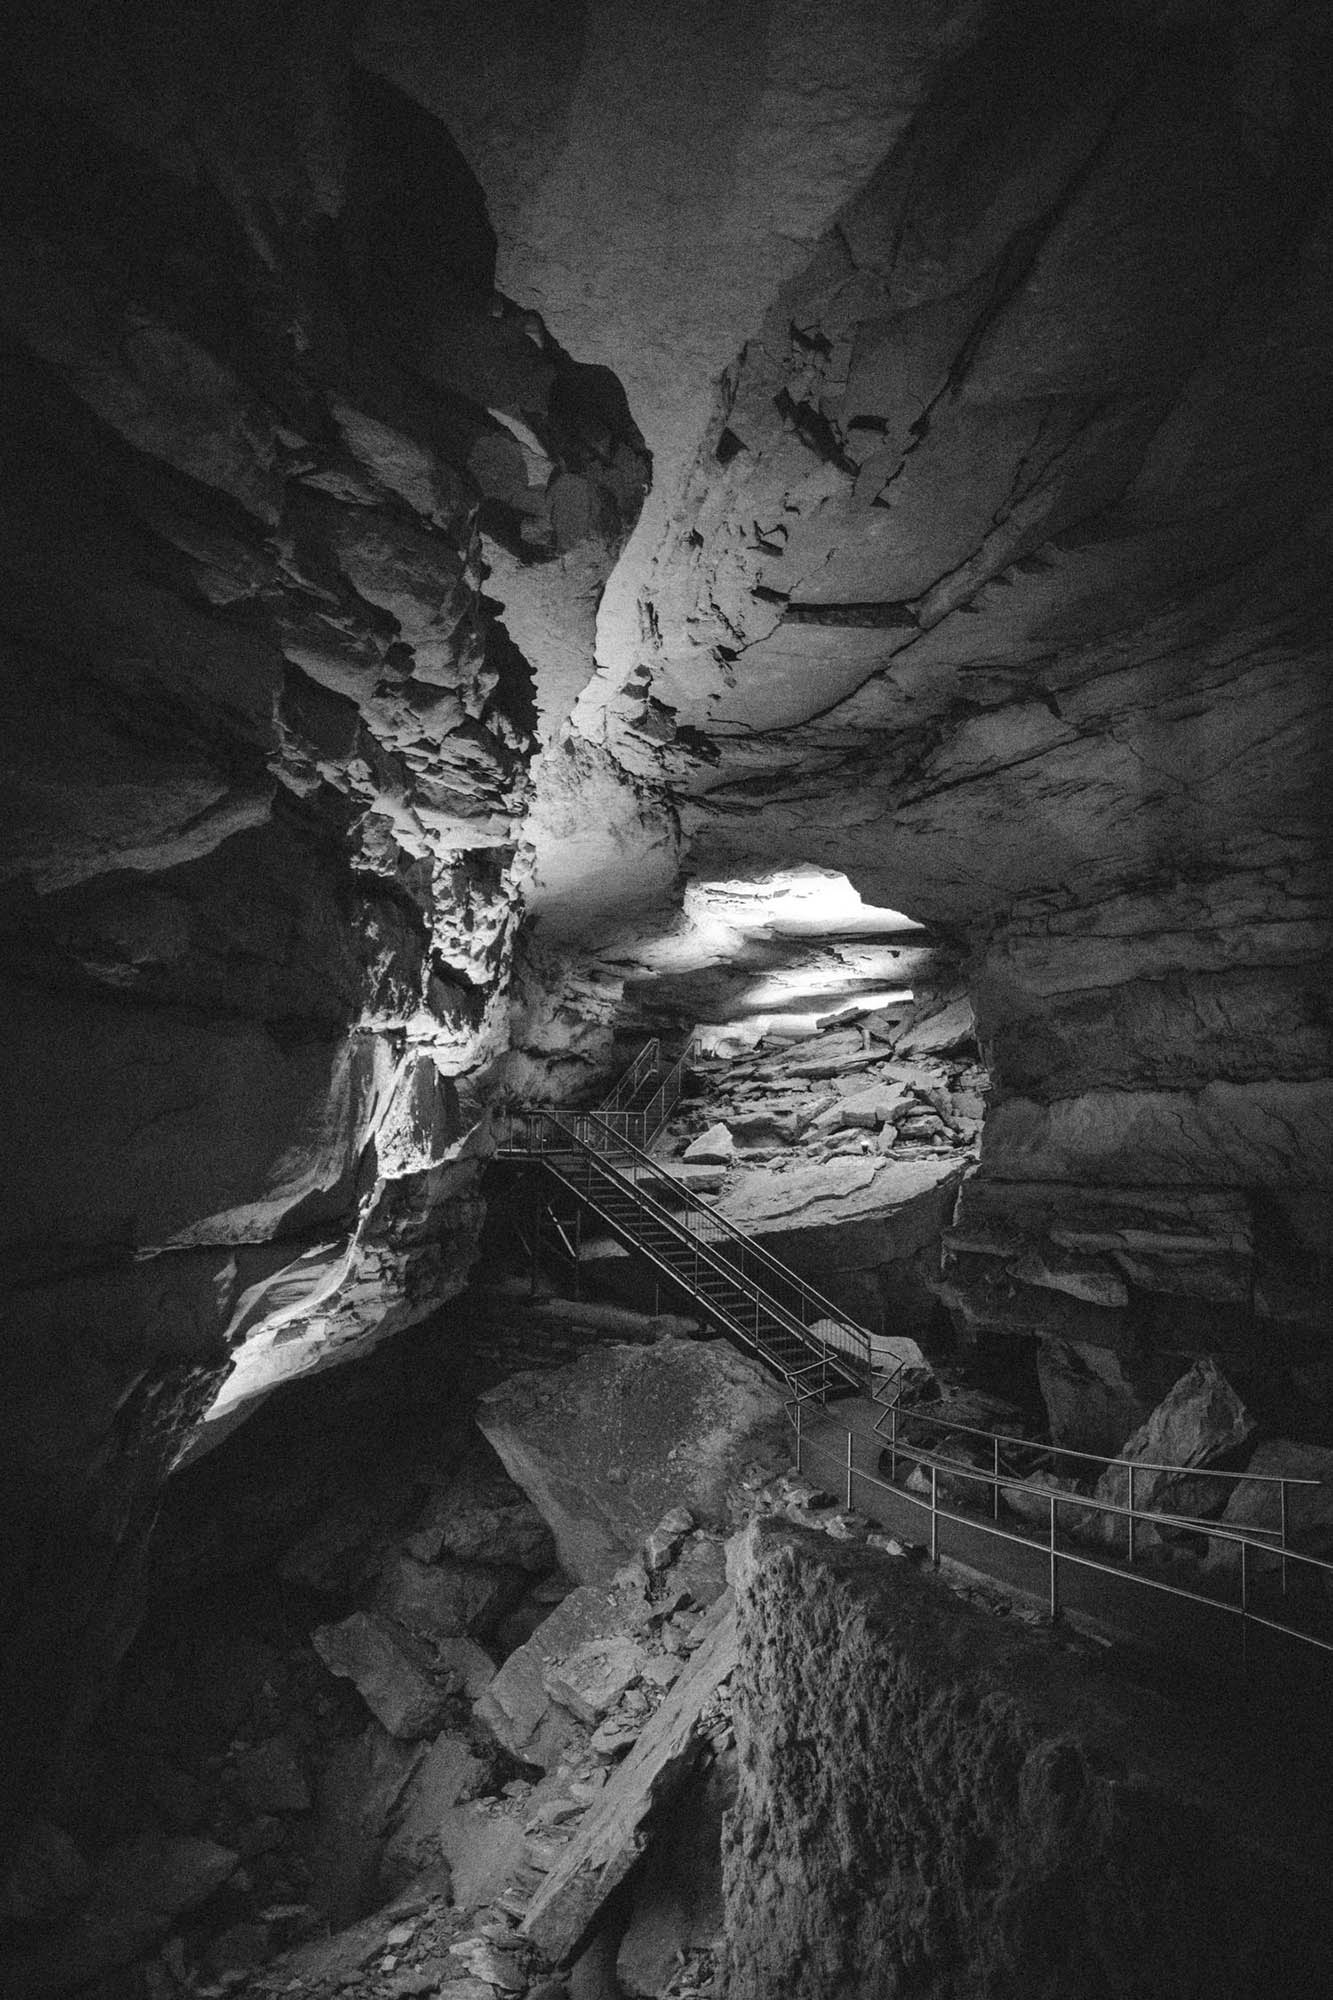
pixel 1130 1523
pixel 1054 1581
pixel 934 1518
pixel 1244 1609
pixel 798 1433
pixel 995 1489
pixel 1282 1523
pixel 893 1443
pixel 850 1444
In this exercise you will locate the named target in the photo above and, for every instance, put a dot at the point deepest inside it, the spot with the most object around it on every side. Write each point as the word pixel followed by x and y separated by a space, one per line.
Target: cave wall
pixel 266 744
pixel 995 573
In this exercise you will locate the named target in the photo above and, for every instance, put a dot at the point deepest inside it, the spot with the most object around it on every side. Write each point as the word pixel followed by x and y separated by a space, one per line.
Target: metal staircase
pixel 599 1158
pixel 599 1161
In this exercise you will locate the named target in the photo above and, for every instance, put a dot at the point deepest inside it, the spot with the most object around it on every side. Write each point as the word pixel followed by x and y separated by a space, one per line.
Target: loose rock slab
pixel 615 1832
pixel 392 1681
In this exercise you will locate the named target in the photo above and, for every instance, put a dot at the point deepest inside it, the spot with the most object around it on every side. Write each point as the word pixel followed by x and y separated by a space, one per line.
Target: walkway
pixel 1265 1601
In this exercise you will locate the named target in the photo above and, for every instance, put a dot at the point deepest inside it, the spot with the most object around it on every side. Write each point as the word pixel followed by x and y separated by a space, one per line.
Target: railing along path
pixel 601 1157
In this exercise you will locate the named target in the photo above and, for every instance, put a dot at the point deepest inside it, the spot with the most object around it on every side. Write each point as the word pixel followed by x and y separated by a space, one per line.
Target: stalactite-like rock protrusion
pixel 266 742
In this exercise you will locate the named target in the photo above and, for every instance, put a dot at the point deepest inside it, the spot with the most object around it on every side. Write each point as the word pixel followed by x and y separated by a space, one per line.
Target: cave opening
pixel 664 934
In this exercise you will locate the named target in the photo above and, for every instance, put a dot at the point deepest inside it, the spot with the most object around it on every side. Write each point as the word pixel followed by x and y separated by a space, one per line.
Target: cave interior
pixel 793 536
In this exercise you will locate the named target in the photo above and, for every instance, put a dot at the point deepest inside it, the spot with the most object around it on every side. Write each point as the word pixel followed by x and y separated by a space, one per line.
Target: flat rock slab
pixel 519 1707
pixel 606 1446
pixel 617 1827
pixel 831 1191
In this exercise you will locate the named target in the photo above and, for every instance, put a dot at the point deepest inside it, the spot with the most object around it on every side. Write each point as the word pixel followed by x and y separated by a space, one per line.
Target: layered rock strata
pixel 267 741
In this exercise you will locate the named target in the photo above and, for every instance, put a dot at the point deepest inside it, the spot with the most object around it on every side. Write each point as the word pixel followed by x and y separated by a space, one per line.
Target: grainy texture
pixel 932 1804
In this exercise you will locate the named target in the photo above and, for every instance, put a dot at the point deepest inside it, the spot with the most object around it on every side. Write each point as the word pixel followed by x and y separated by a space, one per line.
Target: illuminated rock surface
pixel 523 527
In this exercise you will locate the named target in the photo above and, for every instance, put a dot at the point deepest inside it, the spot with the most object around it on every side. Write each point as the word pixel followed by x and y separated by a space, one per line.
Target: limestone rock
pixel 271 1778
pixel 591 1679
pixel 480 1516
pixel 715 1147
pixel 1090 1401
pixel 1200 1422
pixel 392 1676
pixel 1257 1503
pixel 614 1834
pixel 605 1446
pixel 448 1598
pixel 519 1707
pixel 138 1890
pixel 1137 1825
pixel 450 1773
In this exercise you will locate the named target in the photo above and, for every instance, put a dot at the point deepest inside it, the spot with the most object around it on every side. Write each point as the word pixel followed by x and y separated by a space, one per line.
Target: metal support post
pixel 850 1444
pixel 534 1254
pixel 1130 1523
pixel 995 1489
pixel 1244 1609
pixel 1282 1522
pixel 798 1433
pixel 934 1518
pixel 1054 1586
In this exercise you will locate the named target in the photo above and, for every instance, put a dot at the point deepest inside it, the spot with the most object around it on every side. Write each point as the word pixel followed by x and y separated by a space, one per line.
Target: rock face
pixel 1201 1422
pixel 265 746
pixel 603 1448
pixel 985 563
pixel 932 1802
pixel 980 356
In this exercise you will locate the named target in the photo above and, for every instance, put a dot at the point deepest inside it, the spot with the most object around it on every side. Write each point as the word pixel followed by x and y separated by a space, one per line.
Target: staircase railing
pixel 806 1314
pixel 627 1087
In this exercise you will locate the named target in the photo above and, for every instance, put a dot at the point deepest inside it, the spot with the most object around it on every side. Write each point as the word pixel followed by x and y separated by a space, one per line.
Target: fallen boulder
pixel 713 1148
pixel 1091 1403
pixel 448 1597
pixel 616 1829
pixel 519 1706
pixel 605 1446
pixel 480 1516
pixel 1256 1502
pixel 391 1674
pixel 1200 1421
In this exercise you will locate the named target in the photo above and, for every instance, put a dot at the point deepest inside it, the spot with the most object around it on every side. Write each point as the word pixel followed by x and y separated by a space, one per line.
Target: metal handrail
pixel 827 1362
pixel 563 1122
pixel 1097 1458
pixel 625 1087
pixel 734 1273
pixel 1059 1553
pixel 667 1095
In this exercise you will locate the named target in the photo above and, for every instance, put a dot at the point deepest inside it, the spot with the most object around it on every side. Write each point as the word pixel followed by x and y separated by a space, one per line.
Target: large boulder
pixel 1200 1422
pixel 393 1674
pixel 1090 1401
pixel 522 1707
pixel 1256 1502
pixel 606 1446
pixel 715 1147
